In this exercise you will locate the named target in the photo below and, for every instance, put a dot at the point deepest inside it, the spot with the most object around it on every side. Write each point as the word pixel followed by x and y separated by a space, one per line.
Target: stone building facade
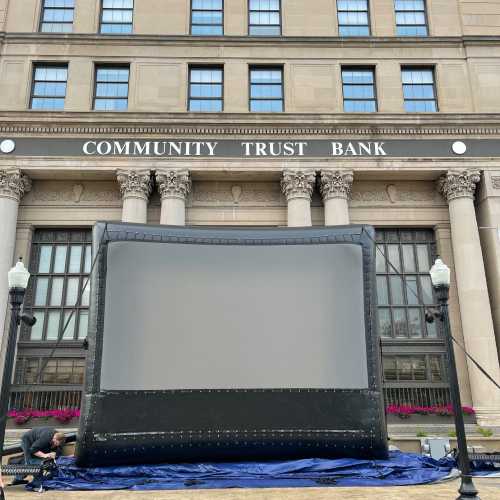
pixel 402 95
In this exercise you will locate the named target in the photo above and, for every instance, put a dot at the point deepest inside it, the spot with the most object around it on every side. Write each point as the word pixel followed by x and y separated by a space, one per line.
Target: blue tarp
pixel 400 469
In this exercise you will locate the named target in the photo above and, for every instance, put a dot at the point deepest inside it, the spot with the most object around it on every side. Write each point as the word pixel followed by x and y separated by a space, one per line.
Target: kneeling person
pixel 39 444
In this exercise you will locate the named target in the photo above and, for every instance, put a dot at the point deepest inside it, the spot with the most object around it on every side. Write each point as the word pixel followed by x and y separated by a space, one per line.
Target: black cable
pixel 75 307
pixel 481 369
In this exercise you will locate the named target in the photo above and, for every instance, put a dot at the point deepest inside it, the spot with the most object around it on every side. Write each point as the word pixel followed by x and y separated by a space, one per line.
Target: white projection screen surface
pixel 185 316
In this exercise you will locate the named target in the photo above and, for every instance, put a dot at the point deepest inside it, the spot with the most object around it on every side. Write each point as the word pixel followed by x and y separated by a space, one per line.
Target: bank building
pixel 257 113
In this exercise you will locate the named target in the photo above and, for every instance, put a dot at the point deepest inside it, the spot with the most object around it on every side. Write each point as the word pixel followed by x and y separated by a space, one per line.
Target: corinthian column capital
pixel 298 183
pixel 135 183
pixel 459 184
pixel 173 183
pixel 14 184
pixel 336 184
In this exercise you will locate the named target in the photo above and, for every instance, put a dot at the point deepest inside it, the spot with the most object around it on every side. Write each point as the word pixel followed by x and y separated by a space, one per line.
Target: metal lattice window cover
pixel 253 418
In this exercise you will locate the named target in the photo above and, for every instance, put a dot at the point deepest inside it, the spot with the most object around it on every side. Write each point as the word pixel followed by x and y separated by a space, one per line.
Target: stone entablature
pixel 14 184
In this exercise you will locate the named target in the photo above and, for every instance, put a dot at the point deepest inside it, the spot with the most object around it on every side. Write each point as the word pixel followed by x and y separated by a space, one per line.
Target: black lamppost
pixel 440 277
pixel 18 278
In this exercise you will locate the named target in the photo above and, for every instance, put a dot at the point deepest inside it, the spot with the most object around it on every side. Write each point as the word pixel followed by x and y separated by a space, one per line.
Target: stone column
pixel 13 185
pixel 458 187
pixel 136 187
pixel 336 189
pixel 174 186
pixel 297 186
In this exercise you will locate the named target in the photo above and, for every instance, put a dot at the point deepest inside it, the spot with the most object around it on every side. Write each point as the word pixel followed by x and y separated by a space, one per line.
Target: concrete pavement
pixel 489 489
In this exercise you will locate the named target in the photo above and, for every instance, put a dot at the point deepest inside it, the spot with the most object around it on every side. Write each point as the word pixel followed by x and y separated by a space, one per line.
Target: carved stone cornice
pixel 459 184
pixel 135 183
pixel 298 183
pixel 104 124
pixel 336 184
pixel 14 184
pixel 173 183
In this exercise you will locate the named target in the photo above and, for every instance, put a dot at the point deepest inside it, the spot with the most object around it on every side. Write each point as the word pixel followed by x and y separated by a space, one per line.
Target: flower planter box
pixel 42 422
pixel 417 419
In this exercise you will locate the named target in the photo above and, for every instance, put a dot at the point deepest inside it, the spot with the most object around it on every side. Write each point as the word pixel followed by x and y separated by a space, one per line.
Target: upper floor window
pixel 266 90
pixel 117 16
pixel 205 89
pixel 111 88
pixel 57 16
pixel 60 265
pixel 358 86
pixel 207 17
pixel 404 289
pixel 49 87
pixel 264 17
pixel 419 90
pixel 353 17
pixel 411 18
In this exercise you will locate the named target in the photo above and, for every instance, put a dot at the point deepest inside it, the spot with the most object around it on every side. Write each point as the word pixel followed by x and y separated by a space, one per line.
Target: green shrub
pixel 484 432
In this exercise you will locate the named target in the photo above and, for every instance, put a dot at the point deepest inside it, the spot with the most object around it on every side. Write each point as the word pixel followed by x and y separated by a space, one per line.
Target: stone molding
pixel 14 184
pixel 459 184
pixel 495 181
pixel 298 183
pixel 135 183
pixel 173 183
pixel 336 184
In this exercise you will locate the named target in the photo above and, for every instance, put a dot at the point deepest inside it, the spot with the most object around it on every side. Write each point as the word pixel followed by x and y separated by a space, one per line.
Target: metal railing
pixel 417 396
pixel 44 398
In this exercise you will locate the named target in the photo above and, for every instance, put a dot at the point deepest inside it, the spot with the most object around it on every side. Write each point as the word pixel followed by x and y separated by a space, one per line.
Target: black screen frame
pixel 229 424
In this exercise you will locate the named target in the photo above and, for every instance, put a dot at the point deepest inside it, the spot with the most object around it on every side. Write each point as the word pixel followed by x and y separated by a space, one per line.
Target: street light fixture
pixel 18 278
pixel 440 277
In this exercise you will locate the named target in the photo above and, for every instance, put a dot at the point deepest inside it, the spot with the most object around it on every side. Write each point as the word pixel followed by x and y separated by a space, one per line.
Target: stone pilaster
pixel 298 185
pixel 136 187
pixel 336 190
pixel 174 185
pixel 458 188
pixel 13 185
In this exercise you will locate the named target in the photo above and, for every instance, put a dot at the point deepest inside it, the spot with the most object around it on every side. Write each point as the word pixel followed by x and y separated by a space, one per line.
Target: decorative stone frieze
pixel 14 184
pixel 495 181
pixel 173 183
pixel 336 184
pixel 135 183
pixel 298 184
pixel 459 184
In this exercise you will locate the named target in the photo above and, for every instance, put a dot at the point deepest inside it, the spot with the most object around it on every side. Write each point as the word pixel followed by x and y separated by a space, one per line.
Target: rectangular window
pixel 358 86
pixel 404 289
pixel 49 87
pixel 60 265
pixel 419 90
pixel 206 89
pixel 207 17
pixel 411 19
pixel 266 90
pixel 111 88
pixel 353 17
pixel 264 17
pixel 57 16
pixel 58 371
pixel 117 16
pixel 415 368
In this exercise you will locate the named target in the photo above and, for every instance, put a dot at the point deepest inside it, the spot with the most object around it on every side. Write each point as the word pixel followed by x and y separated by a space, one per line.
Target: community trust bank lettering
pixel 232 148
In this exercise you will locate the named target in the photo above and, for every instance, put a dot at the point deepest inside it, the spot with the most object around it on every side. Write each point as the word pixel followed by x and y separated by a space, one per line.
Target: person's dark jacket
pixel 40 439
